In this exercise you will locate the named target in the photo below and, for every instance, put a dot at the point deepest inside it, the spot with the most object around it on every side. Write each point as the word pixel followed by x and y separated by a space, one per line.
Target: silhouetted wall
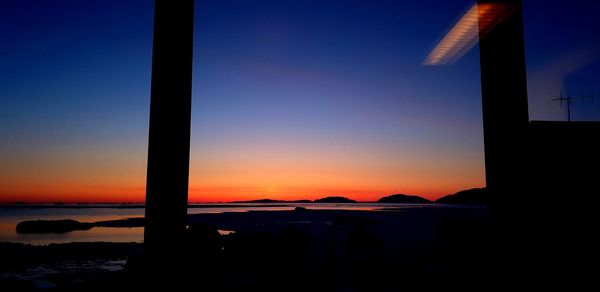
pixel 561 223
pixel 564 159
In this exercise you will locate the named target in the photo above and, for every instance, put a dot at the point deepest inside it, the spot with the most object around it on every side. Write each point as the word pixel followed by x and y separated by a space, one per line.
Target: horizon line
pixel 58 203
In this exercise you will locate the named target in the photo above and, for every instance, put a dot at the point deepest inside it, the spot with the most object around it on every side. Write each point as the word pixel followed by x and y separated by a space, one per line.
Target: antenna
pixel 569 100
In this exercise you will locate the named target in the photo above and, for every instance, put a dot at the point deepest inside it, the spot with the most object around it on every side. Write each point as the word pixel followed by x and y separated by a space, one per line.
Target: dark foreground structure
pixel 170 122
pixel 505 125
pixel 557 226
pixel 539 173
pixel 564 159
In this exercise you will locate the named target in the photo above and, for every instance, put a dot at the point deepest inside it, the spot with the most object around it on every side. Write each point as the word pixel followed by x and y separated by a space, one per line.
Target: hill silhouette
pixel 476 196
pixel 335 200
pixel 272 201
pixel 402 198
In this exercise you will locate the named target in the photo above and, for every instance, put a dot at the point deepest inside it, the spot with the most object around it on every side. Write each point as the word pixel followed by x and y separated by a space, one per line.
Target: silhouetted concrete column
pixel 504 101
pixel 170 118
pixel 505 126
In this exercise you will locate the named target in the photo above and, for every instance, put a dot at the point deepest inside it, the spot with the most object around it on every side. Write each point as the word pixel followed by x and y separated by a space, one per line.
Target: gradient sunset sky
pixel 292 99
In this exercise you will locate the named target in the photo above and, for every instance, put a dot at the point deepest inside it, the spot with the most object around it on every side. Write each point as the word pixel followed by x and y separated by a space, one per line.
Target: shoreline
pixel 131 222
pixel 267 243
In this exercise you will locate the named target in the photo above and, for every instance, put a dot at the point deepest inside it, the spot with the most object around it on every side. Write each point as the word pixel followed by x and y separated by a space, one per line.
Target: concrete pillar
pixel 504 101
pixel 505 126
pixel 170 119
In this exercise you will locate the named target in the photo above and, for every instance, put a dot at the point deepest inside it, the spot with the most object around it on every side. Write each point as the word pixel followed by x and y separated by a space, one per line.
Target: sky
pixel 292 99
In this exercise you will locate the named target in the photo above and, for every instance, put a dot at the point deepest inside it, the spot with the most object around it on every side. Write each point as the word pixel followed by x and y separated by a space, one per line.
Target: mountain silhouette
pixel 263 201
pixel 476 196
pixel 335 200
pixel 402 198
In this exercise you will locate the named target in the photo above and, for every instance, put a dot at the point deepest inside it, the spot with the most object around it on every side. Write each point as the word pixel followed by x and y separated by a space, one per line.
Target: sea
pixel 11 215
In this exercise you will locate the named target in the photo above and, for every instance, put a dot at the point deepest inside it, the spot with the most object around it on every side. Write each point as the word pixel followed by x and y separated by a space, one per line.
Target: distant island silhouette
pixel 471 196
pixel 335 200
pixel 402 198
pixel 268 201
pixel 476 196
pixel 52 226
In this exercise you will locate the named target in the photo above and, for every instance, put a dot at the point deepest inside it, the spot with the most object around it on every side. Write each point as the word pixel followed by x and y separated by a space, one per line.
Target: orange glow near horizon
pixel 83 194
pixel 289 111
pixel 281 188
pixel 464 35
pixel 236 165
pixel 242 171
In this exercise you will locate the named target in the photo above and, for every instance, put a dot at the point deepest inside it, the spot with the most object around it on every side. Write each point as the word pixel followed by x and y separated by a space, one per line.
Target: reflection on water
pixel 10 217
pixel 225 232
pixel 107 234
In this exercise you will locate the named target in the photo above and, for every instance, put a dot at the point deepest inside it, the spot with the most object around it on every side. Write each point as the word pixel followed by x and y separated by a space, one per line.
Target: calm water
pixel 9 217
